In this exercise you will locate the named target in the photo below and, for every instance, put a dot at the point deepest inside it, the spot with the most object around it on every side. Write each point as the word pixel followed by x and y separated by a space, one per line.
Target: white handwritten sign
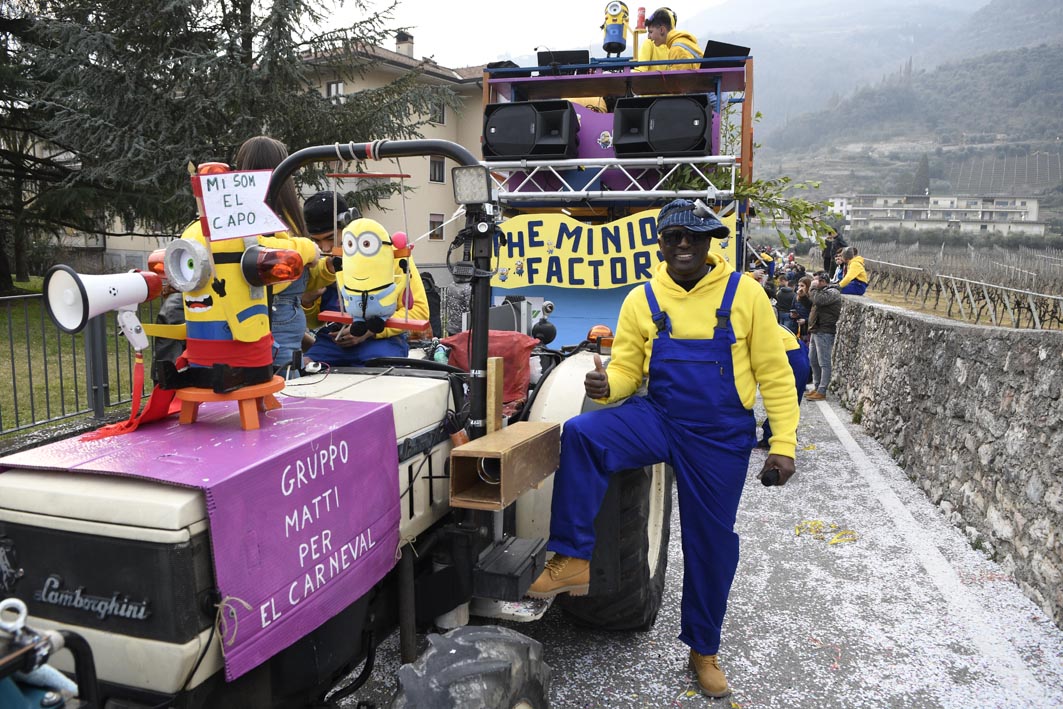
pixel 234 204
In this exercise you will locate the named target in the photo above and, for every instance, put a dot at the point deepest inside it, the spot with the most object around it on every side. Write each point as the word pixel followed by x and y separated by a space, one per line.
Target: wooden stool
pixel 252 399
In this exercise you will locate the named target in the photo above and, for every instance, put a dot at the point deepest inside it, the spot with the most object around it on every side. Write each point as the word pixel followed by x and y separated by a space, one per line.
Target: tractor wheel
pixel 476 666
pixel 633 528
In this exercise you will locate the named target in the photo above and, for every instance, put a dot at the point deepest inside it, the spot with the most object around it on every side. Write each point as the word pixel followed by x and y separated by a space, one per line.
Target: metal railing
pixel 55 375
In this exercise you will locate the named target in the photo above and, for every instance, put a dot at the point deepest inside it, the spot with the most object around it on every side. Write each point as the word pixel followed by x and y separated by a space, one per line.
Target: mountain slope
pixel 1008 96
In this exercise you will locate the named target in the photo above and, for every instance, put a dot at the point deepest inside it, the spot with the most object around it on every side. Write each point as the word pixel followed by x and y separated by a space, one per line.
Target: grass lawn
pixel 46 368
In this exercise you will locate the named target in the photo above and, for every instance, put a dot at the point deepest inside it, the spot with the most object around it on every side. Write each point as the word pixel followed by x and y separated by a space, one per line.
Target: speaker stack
pixel 535 130
pixel 662 126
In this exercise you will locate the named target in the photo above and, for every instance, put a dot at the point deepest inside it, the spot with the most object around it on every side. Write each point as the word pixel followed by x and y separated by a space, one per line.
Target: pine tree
pixel 137 89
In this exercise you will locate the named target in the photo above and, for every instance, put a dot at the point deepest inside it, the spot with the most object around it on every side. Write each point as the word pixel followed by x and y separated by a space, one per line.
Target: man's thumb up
pixel 596 382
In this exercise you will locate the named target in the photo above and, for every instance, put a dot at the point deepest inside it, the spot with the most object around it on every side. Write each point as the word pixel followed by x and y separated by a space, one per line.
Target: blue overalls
pixel 692 419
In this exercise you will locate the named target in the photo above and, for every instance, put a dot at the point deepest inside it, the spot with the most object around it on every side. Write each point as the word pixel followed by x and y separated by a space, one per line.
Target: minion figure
pixel 518 268
pixel 503 274
pixel 370 285
pixel 615 27
pixel 227 331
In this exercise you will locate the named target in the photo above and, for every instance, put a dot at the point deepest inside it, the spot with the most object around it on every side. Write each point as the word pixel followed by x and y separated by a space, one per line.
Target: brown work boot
pixel 815 396
pixel 710 676
pixel 563 574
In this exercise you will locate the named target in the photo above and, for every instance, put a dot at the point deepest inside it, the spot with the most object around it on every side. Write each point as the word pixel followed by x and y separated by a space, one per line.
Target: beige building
pixel 426 209
pixel 968 214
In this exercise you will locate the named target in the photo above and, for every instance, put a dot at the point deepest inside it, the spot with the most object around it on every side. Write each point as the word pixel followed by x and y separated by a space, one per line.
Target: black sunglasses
pixel 673 237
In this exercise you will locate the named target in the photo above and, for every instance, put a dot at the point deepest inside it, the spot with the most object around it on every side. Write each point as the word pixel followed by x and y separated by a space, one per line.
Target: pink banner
pixel 304 512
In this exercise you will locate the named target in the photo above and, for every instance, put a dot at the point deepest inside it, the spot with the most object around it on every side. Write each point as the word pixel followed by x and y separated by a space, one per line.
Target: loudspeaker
pixel 71 298
pixel 538 130
pixel 665 126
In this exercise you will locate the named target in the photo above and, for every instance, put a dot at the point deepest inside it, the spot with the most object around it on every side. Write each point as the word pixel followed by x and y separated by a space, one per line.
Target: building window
pixel 435 227
pixel 334 92
pixel 436 172
pixel 439 113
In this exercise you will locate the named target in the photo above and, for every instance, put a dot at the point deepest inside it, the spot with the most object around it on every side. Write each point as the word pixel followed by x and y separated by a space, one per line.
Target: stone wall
pixel 974 415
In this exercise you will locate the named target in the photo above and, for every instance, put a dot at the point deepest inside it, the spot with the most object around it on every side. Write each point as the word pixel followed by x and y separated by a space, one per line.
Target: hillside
pixel 1002 25
pixel 1004 97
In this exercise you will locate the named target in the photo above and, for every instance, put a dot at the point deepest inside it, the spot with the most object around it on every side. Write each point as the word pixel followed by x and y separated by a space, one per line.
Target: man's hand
pixel 780 463
pixel 597 382
pixel 344 338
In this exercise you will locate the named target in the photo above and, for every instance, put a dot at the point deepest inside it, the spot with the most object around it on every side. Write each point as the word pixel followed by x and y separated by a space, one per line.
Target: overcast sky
pixel 470 32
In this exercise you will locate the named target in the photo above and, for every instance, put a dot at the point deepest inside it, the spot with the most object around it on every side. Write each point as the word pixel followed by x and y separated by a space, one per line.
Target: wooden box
pixel 518 457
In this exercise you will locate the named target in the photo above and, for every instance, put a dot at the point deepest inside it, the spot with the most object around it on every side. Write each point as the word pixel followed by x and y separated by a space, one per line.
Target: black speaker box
pixel 536 130
pixel 666 126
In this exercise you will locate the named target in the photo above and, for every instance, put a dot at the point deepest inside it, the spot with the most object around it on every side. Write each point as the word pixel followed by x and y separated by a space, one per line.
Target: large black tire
pixel 481 667
pixel 633 598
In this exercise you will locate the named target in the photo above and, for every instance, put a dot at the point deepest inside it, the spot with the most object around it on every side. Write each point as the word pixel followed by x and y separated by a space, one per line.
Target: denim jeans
pixel 819 357
pixel 288 323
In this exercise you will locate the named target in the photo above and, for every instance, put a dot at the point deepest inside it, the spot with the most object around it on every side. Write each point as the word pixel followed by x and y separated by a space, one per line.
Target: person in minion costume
pixel 706 338
pixel 378 281
pixel 676 44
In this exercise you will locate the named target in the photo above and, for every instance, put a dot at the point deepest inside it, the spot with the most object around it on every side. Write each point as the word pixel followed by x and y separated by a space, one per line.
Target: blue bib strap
pixel 660 318
pixel 723 313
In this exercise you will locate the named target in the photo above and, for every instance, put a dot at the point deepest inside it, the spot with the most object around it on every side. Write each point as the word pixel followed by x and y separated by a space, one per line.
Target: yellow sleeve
pixel 855 271
pixel 419 310
pixel 628 359
pixel 645 54
pixel 771 369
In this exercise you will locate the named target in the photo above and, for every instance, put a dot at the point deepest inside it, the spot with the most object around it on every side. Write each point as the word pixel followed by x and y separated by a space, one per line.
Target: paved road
pixel 907 615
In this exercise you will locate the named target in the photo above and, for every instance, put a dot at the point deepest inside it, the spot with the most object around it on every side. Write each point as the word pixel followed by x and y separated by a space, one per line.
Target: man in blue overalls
pixel 713 337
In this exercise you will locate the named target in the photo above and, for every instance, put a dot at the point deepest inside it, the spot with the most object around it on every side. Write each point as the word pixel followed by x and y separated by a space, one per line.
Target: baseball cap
pixel 322 213
pixel 680 213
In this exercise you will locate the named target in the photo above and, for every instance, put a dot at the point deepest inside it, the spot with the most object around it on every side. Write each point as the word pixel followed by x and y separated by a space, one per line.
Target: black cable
pixel 188 680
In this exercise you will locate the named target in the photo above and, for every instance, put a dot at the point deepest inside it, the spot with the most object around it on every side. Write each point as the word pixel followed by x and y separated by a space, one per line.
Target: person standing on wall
pixel 706 338
pixel 833 244
pixel 822 324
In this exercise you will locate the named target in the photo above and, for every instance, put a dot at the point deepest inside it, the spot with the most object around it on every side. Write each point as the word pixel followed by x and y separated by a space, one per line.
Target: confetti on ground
pixel 818 529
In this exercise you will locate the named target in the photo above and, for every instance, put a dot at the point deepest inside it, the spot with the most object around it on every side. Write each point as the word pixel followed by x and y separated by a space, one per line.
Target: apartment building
pixel 969 214
pixel 425 211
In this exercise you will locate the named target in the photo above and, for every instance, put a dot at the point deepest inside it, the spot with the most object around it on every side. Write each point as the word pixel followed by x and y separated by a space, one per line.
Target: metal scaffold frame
pixel 553 180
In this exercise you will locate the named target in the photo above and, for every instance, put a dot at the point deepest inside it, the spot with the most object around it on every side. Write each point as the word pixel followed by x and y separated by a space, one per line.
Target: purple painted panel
pixel 304 512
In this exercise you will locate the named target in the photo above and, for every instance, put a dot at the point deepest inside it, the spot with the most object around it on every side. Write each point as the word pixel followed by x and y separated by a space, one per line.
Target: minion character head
pixel 369 287
pixel 222 283
pixel 615 27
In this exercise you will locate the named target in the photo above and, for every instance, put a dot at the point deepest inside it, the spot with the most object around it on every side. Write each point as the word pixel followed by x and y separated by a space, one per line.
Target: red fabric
pixel 231 352
pixel 158 406
pixel 514 348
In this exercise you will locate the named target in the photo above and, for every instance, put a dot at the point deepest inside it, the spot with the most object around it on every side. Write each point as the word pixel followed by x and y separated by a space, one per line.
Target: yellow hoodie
pixel 854 271
pixel 682 45
pixel 650 52
pixel 759 357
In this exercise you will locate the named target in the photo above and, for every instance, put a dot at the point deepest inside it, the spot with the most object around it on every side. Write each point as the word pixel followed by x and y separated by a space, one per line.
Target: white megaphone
pixel 72 298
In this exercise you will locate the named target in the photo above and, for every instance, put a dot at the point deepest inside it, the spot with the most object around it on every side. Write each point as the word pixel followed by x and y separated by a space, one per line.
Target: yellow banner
pixel 556 250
